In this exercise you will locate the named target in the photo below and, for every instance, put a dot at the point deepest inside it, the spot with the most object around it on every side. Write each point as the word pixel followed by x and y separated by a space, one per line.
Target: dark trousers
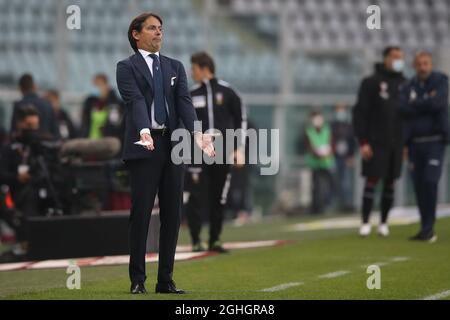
pixel 426 160
pixel 322 190
pixel 149 177
pixel 344 185
pixel 209 195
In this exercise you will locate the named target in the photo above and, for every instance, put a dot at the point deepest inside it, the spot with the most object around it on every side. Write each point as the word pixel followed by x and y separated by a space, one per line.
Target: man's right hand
pixel 147 138
pixel 366 151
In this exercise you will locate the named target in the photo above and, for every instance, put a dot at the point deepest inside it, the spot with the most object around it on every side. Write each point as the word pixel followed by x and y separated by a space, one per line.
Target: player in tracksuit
pixel 425 109
pixel 378 127
pixel 218 107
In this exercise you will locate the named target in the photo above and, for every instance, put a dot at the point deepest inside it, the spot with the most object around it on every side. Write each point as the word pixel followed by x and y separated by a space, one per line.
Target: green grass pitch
pixel 243 273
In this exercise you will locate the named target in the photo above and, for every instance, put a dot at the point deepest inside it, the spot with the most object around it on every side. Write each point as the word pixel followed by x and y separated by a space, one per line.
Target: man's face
pixel 29 123
pixel 150 37
pixel 394 55
pixel 198 73
pixel 102 86
pixel 423 65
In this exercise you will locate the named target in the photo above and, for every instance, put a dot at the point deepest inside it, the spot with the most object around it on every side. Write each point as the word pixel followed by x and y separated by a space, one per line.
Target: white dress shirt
pixel 149 61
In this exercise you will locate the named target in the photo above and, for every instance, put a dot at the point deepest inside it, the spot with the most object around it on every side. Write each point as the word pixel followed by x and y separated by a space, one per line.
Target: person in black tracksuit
pixel 218 107
pixel 425 109
pixel 378 127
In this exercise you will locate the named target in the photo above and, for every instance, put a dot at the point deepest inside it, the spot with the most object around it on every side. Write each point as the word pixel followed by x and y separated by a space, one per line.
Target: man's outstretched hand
pixel 148 141
pixel 205 142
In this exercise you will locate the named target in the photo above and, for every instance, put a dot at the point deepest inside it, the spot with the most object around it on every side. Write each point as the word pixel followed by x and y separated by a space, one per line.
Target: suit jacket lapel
pixel 142 67
pixel 166 72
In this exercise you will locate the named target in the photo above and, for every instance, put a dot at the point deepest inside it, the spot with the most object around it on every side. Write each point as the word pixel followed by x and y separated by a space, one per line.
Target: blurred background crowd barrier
pixel 284 56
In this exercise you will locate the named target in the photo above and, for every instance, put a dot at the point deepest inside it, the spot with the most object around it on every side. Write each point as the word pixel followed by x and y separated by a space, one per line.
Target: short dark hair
pixel 137 25
pixel 26 82
pixel 203 60
pixel 101 76
pixel 388 50
pixel 53 93
pixel 26 111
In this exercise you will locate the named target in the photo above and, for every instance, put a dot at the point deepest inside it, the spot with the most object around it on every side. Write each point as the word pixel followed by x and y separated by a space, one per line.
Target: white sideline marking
pixel 282 286
pixel 334 274
pixel 380 264
pixel 398 216
pixel 438 296
pixel 400 259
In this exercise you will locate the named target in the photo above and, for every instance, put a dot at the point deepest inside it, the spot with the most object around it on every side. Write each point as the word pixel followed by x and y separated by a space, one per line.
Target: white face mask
pixel 317 121
pixel 398 65
pixel 341 116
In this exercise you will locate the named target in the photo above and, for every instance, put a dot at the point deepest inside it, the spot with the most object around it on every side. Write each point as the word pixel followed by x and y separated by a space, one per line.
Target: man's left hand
pixel 205 142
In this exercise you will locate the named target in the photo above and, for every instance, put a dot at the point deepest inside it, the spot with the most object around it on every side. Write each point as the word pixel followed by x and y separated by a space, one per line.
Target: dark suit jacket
pixel 135 84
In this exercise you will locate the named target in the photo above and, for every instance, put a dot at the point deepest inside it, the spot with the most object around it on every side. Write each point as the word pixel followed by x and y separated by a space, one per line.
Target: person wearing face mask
pixel 15 172
pixel 343 136
pixel 320 159
pixel 102 111
pixel 378 127
pixel 424 105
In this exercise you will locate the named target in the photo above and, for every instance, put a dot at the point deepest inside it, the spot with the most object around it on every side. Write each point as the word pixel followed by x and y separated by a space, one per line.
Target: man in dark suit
pixel 30 98
pixel 156 96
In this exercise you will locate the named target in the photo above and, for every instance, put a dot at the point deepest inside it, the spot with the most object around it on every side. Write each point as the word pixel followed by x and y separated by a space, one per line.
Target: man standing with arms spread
pixel 424 104
pixel 378 127
pixel 218 107
pixel 154 89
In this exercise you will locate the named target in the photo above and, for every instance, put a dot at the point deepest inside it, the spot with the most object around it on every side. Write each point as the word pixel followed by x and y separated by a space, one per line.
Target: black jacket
pixel 66 127
pixel 376 116
pixel 48 123
pixel 424 105
pixel 216 100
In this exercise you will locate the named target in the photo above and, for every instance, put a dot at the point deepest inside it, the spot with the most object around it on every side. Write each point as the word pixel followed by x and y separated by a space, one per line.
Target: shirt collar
pixel 145 53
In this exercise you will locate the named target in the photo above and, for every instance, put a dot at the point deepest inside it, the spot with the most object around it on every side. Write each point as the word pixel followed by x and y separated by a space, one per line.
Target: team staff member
pixel 425 108
pixel 218 107
pixel 154 89
pixel 378 127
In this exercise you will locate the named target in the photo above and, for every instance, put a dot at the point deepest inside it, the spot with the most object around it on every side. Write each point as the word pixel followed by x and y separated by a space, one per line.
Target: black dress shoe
pixel 430 237
pixel 168 287
pixel 217 247
pixel 138 288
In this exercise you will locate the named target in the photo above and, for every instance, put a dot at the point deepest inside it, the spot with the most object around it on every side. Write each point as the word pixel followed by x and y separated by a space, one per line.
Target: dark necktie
pixel 158 99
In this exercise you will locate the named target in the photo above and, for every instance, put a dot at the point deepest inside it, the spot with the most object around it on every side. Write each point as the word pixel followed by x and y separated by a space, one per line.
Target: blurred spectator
pixel 65 125
pixel 320 159
pixel 14 162
pixel 342 131
pixel 19 197
pixel 3 137
pixel 240 195
pixel 102 111
pixel 47 119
